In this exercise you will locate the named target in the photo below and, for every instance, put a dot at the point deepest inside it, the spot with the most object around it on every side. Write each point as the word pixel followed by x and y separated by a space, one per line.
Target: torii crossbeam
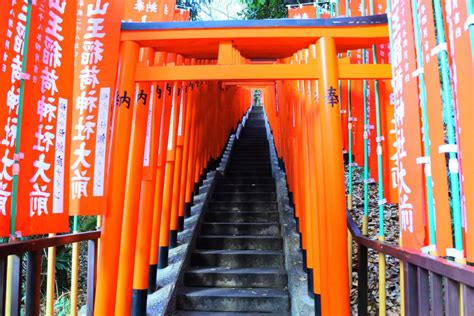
pixel 253 50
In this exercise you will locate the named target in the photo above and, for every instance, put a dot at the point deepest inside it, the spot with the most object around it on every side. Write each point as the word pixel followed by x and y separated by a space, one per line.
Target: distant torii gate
pixel 251 51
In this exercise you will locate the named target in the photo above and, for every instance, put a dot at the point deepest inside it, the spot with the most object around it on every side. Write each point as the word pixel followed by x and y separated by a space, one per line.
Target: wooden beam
pixel 226 53
pixel 257 72
pixel 249 83
pixel 367 71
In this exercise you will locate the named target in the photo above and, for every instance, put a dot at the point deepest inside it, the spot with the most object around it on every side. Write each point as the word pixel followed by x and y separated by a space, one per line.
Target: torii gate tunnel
pixel 188 145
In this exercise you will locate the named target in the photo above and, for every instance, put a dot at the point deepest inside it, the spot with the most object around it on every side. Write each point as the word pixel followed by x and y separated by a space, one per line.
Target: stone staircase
pixel 237 267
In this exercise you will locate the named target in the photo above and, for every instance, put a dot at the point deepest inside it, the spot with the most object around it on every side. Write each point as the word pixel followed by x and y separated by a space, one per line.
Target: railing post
pixel 468 299
pixel 423 291
pixel 33 283
pixel 91 275
pixel 410 288
pixel 451 297
pixel 3 284
pixel 362 283
pixel 15 299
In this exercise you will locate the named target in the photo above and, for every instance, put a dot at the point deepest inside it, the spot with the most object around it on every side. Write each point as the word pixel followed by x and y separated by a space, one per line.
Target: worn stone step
pixel 237 258
pixel 243 180
pixel 246 166
pixel 233 299
pixel 234 229
pixel 245 188
pixel 249 174
pixel 257 169
pixel 238 277
pixel 242 242
pixel 258 134
pixel 244 196
pixel 251 159
pixel 253 206
pixel 248 163
pixel 251 149
pixel 242 217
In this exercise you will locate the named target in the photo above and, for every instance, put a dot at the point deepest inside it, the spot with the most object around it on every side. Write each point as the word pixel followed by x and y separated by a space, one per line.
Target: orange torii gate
pixel 254 51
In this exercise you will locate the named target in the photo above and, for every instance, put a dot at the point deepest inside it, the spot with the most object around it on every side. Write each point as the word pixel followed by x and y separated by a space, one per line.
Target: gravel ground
pixel 391 236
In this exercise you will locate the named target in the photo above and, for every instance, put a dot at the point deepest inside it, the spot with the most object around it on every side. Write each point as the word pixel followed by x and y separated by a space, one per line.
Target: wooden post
pixel 112 223
pixel 336 254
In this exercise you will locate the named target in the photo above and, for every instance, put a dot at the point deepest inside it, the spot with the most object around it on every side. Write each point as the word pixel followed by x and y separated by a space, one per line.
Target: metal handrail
pixel 34 250
pixel 431 283
pixel 23 246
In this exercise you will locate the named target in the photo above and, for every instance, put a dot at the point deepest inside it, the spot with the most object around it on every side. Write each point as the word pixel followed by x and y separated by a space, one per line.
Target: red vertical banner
pixel 302 12
pixel 407 122
pixel 181 15
pixel 94 78
pixel 166 9
pixel 387 121
pixel 149 10
pixel 357 109
pixel 43 186
pixel 437 166
pixel 371 121
pixel 390 149
pixel 461 62
pixel 12 35
pixel 344 119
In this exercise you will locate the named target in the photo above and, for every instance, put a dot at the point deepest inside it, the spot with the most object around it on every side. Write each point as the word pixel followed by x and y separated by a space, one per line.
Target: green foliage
pixel 263 9
pixel 62 306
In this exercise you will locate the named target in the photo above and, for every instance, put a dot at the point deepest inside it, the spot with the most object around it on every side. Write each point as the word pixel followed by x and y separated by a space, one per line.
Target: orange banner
pixel 98 25
pixel 302 12
pixel 386 116
pixel 437 166
pixel 43 189
pixel 407 122
pixel 461 61
pixel 166 10
pixel 149 10
pixel 12 34
pixel 357 108
pixel 181 15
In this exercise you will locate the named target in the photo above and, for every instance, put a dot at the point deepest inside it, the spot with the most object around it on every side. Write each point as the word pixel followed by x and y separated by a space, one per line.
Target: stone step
pixel 237 258
pixel 250 159
pixel 235 229
pixel 246 181
pixel 245 188
pixel 242 242
pixel 248 174
pixel 257 169
pixel 242 217
pixel 254 206
pixel 251 149
pixel 233 299
pixel 246 166
pixel 238 277
pixel 248 163
pixel 244 196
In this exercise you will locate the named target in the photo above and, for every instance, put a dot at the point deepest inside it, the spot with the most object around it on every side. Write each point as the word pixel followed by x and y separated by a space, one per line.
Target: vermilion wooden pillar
pixel 133 189
pixel 107 268
pixel 336 301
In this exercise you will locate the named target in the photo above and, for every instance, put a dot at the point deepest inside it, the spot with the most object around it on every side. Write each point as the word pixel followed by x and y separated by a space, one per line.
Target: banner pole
pixel 447 95
pixel 365 219
pixel 74 269
pixel 19 120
